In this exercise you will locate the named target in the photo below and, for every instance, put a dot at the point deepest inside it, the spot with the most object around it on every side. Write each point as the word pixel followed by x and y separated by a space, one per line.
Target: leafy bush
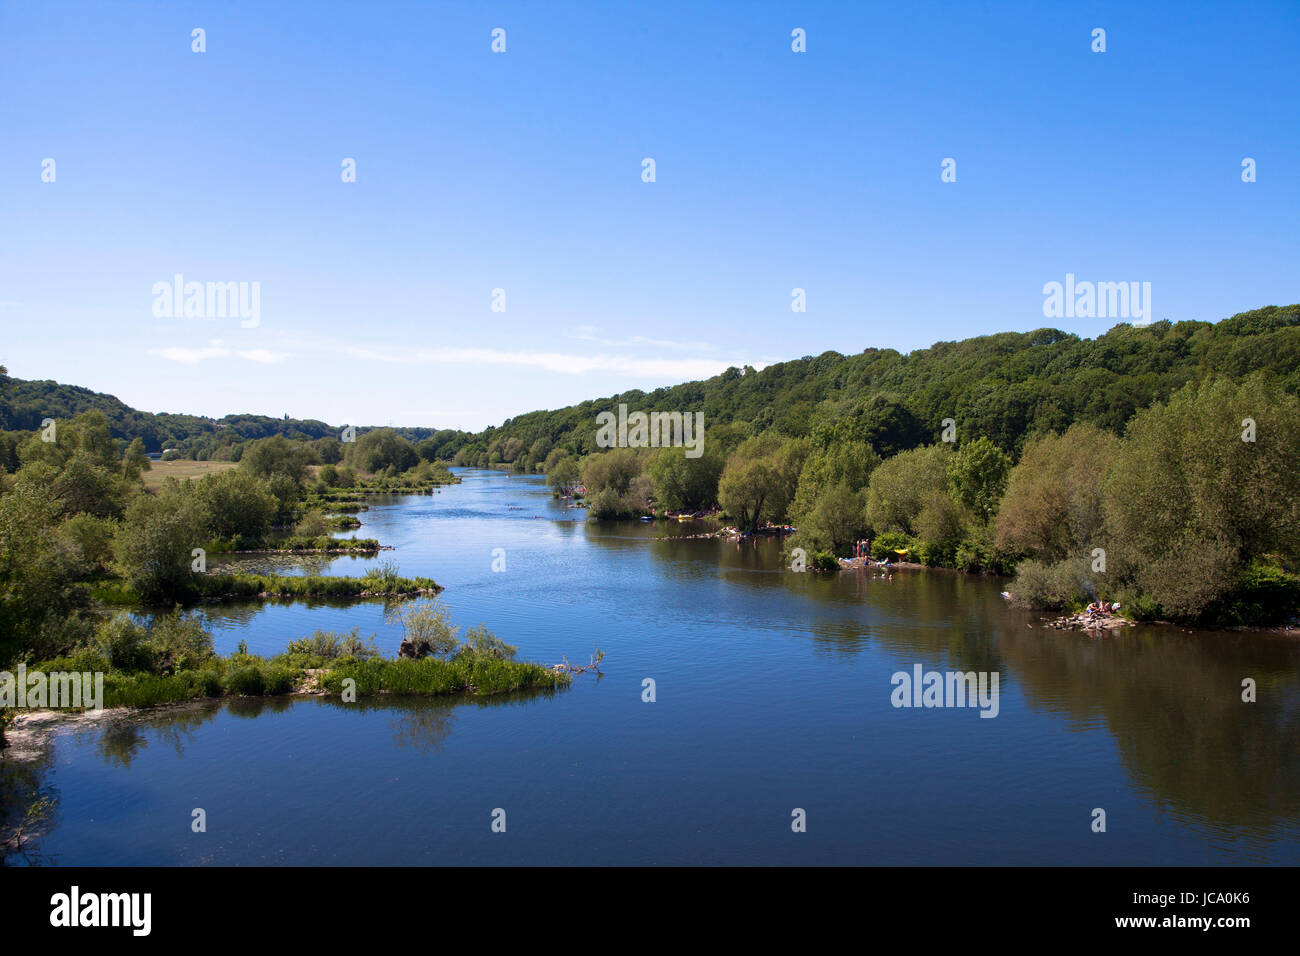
pixel 886 544
pixel 824 561
pixel 277 680
pixel 312 525
pixel 93 537
pixel 607 505
pixel 246 681
pixel 480 642
pixel 329 645
pixel 1052 587
pixel 179 642
pixel 124 644
pixel 426 627
pixel 1264 594
pixel 155 540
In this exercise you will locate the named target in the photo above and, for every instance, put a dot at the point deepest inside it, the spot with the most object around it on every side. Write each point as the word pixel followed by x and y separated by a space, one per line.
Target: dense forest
pixel 1156 464
pixel 1005 387
pixel 25 404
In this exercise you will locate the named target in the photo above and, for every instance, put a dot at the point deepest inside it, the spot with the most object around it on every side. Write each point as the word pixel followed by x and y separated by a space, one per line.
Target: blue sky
pixel 522 171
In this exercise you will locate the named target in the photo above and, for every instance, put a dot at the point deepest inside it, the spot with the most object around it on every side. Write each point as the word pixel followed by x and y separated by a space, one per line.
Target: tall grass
pixel 246 675
pixel 432 676
pixel 375 583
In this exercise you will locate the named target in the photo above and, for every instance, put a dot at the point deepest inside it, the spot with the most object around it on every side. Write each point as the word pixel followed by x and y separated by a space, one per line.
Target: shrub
pixel 124 644
pixel 179 642
pixel 885 545
pixel 328 645
pixel 93 538
pixel 155 540
pixel 312 525
pixel 480 642
pixel 1265 594
pixel 1053 587
pixel 246 681
pixel 426 628
pixel 824 561
pixel 277 679
pixel 607 504
pixel 86 660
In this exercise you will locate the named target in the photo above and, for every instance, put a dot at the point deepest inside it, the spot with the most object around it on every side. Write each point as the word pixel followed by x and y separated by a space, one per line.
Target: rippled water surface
pixel 773 693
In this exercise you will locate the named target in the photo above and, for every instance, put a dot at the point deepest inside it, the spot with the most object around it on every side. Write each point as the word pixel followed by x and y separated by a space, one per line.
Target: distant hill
pixel 1005 386
pixel 23 405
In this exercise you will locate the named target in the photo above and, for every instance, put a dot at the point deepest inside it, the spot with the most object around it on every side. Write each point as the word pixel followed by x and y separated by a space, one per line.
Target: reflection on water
pixel 772 692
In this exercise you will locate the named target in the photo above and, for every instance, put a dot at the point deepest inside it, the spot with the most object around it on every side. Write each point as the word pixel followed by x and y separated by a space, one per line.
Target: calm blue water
pixel 773 693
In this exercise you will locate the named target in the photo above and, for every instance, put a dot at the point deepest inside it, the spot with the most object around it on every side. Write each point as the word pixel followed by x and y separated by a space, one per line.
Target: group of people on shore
pixel 1099 608
pixel 862 548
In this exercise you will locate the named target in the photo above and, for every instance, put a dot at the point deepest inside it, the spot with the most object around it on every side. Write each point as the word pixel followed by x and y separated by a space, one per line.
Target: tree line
pixel 79 529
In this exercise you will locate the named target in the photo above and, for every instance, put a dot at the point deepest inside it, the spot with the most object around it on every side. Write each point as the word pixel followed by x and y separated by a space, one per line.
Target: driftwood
pixel 593 664
pixel 415 648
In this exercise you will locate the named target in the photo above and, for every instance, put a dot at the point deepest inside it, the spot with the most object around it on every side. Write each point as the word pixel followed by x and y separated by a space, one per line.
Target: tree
pixel 563 475
pixel 40 601
pixel 329 450
pixel 86 486
pixel 1201 488
pixel 87 435
pixel 135 460
pixel 977 476
pixel 889 426
pixel 553 458
pixel 902 486
pixel 760 479
pixel 612 470
pixel 156 538
pixel 844 461
pixel 426 629
pixel 238 505
pixel 746 486
pixel 1053 505
pixel 275 455
pixel 834 520
pixel 511 448
pixel 686 484
pixel 379 449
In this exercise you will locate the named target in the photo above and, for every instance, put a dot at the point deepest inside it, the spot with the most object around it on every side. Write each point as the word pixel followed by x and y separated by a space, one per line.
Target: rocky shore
pixel 1090 622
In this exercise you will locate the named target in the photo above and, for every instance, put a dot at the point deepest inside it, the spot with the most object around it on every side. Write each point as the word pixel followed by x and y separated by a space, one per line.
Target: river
pixel 772 694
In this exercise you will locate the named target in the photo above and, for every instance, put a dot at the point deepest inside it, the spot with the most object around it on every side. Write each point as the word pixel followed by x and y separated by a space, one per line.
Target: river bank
pixel 711 622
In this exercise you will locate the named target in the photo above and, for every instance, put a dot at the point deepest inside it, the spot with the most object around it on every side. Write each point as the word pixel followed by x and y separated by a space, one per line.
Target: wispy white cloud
pixel 216 349
pixel 590 333
pixel 560 362
pixel 190 356
pixel 265 356
pixel 630 362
